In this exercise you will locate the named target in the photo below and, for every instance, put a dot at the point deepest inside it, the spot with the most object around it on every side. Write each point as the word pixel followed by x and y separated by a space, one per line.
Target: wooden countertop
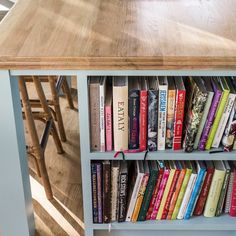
pixel 119 34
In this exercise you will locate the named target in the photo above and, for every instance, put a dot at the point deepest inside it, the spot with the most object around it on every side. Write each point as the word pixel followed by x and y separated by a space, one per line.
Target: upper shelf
pixel 119 34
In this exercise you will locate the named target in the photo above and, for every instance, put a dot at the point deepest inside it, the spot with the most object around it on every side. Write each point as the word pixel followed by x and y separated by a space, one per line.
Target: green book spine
pixel 148 195
pixel 216 122
pixel 181 194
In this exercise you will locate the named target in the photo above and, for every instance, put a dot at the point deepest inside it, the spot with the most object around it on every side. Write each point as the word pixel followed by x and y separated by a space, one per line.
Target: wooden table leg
pixel 16 212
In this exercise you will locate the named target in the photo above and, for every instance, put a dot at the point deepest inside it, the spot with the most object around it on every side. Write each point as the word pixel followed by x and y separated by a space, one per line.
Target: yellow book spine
pixel 214 193
pixel 167 189
pixel 181 194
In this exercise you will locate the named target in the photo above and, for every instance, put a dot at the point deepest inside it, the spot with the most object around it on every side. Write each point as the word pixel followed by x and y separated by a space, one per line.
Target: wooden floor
pixel 64 215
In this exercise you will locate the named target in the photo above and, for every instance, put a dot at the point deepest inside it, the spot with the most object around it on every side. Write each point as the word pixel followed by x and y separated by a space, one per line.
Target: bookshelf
pixel 122 37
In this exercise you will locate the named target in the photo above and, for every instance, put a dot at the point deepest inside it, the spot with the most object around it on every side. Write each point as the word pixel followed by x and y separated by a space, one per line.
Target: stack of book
pixel 162 190
pixel 158 113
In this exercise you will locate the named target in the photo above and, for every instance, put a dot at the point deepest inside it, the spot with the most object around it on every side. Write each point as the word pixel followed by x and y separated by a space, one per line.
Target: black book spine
pixel 123 187
pixel 134 104
pixel 94 192
pixel 152 120
pixel 106 192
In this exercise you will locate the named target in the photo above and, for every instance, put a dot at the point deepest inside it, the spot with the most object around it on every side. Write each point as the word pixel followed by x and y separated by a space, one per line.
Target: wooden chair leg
pixel 67 91
pixel 55 99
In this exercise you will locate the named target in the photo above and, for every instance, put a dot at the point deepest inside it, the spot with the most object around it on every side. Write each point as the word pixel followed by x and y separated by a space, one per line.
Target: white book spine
pixel 134 196
pixel 102 116
pixel 114 193
pixel 223 120
pixel 187 195
pixel 229 193
pixel 162 110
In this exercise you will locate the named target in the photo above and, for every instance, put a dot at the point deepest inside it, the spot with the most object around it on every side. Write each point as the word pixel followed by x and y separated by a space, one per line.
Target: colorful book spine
pixel 179 117
pixel 154 195
pixel 181 194
pixel 134 108
pixel 160 194
pixel 99 187
pixel 232 210
pixel 94 192
pixel 108 120
pixel 210 117
pixel 102 114
pixel 143 120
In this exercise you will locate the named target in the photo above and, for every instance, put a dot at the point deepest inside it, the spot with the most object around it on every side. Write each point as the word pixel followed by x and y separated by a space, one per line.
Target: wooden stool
pixel 56 84
pixel 38 146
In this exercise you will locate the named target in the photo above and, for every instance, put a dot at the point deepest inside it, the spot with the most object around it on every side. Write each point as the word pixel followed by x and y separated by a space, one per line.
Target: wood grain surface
pixel 119 34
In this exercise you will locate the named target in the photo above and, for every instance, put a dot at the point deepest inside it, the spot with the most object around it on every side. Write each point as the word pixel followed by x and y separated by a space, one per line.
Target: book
pixel 123 191
pixel 220 205
pixel 152 113
pixel 179 112
pixel 177 189
pixel 209 89
pixel 219 112
pixel 94 113
pixel 182 190
pixel 102 89
pixel 141 193
pixel 134 112
pixel 211 115
pixel 188 191
pixel 134 185
pixel 156 190
pixel 115 170
pixel 94 192
pixel 153 172
pixel 99 191
pixel 120 112
pixel 162 110
pixel 143 114
pixel 170 118
pixel 201 170
pixel 232 210
pixel 225 116
pixel 196 97
pixel 106 171
pixel 205 189
pixel 215 189
pixel 108 118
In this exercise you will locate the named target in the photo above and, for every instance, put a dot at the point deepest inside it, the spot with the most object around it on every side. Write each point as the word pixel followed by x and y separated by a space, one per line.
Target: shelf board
pixel 224 222
pixel 166 155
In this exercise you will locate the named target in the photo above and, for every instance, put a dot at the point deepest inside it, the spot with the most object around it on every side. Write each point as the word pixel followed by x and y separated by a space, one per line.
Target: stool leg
pixel 55 99
pixel 66 90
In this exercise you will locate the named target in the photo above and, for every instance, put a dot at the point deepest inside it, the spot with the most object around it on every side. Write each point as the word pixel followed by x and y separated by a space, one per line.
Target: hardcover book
pixel 232 210
pixel 100 190
pixel 94 192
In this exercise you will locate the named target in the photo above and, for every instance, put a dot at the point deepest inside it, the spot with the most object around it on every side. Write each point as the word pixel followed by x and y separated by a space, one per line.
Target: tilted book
pixel 94 192
pixel 162 111
pixel 120 112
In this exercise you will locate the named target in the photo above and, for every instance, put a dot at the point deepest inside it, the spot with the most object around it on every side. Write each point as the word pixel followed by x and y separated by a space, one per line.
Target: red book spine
pixel 154 195
pixel 232 210
pixel 204 193
pixel 108 120
pixel 179 117
pixel 170 194
pixel 143 120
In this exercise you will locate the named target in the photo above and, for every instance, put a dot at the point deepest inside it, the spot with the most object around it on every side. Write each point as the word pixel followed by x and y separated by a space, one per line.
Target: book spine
pixel 102 118
pixel 195 194
pixel 221 201
pixel 123 187
pixel 154 195
pixel 170 194
pixel 147 195
pixel 140 197
pixel 99 186
pixel 232 210
pixel 114 192
pixel 160 194
pixel 162 107
pixel 106 193
pixel 94 192
pixel 187 195
pixel 134 106
pixel 179 116
pixel 152 120
pixel 204 193
pixel 181 194
pixel 209 121
pixel 108 119
pixel 143 120
pixel 216 122
pixel 176 194
pixel 223 120
pixel 229 193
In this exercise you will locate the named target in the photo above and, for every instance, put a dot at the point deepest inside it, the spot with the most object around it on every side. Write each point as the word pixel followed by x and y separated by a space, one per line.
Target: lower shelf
pixel 223 223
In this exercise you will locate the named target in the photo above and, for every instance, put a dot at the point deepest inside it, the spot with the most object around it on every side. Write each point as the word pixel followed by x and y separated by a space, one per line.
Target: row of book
pixel 158 113
pixel 157 190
